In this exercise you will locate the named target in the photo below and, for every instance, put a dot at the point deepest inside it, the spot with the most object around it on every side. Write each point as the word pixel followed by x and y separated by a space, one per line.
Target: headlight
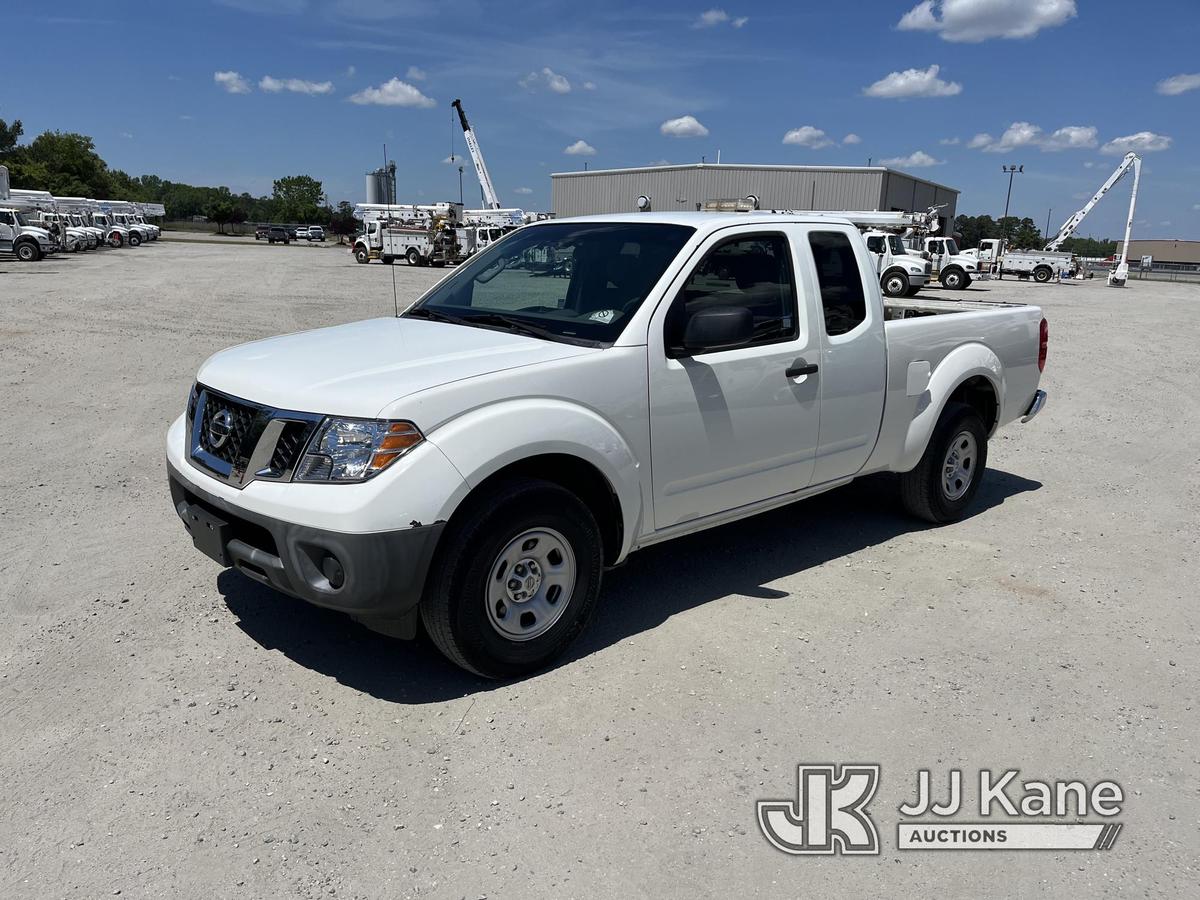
pixel 970 267
pixel 355 449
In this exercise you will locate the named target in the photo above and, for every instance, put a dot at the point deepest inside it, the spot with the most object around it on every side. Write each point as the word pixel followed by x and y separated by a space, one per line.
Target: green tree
pixel 9 136
pixel 342 222
pixel 221 211
pixel 297 198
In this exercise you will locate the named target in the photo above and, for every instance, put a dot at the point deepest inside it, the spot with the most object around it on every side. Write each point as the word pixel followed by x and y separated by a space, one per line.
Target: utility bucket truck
pixel 40 210
pixel 18 235
pixel 422 235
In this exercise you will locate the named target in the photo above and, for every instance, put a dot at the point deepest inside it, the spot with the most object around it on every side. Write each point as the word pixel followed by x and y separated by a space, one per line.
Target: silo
pixel 381 185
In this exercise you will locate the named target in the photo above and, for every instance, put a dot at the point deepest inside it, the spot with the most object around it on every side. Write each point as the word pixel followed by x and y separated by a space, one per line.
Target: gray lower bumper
pixel 378 578
pixel 1035 406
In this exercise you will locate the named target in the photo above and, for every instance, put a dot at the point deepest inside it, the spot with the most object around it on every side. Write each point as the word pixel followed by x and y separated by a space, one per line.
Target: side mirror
pixel 718 328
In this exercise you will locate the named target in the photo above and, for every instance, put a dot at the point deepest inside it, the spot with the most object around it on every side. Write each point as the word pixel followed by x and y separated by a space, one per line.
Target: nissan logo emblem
pixel 220 428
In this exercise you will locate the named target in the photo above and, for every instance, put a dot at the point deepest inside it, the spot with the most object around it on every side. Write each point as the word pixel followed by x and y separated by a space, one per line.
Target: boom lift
pixel 1120 272
pixel 490 199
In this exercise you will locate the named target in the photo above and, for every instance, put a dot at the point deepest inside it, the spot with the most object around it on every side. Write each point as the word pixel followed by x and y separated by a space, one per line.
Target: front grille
pixel 241 423
pixel 928 268
pixel 238 441
pixel 289 447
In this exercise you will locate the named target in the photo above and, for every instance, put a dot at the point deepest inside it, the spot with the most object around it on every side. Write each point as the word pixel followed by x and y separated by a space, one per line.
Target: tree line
pixel 67 165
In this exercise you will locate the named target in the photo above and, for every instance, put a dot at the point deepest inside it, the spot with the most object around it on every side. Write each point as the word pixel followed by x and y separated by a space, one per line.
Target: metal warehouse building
pixel 777 187
pixel 1180 253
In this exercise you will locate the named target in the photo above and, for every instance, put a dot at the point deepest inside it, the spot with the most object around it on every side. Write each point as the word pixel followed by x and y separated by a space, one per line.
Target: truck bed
pixel 912 307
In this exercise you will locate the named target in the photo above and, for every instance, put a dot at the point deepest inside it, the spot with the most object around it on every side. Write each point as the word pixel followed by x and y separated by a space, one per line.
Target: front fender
pixel 959 365
pixel 485 440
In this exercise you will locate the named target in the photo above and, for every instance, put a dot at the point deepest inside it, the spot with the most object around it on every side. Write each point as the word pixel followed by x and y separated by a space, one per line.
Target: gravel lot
pixel 168 729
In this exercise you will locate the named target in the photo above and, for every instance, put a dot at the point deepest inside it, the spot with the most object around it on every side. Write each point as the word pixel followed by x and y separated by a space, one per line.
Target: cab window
pixel 842 296
pixel 753 272
pixel 875 244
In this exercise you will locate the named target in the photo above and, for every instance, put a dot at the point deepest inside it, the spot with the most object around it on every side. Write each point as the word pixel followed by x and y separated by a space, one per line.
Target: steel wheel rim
pixel 958 469
pixel 530 584
pixel 895 285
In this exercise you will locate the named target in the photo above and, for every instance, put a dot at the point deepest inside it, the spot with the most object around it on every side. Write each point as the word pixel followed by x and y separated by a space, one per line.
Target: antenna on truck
pixel 388 201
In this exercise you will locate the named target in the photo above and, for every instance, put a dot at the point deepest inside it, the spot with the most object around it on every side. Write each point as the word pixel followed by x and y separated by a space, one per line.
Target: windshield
pixel 575 282
pixel 951 247
pixel 21 220
pixel 896 244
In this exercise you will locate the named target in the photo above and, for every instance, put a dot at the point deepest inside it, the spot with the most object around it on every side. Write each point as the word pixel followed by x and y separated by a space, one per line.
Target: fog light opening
pixel 333 571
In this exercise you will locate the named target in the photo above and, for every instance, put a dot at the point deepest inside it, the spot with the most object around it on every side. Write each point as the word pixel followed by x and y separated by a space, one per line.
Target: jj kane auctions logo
pixel 829 814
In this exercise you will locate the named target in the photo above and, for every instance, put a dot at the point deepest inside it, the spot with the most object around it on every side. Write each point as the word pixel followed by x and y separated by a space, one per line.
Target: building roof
pixel 751 166
pixel 703 220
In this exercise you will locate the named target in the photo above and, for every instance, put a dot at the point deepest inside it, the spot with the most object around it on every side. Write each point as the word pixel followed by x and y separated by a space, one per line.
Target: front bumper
pixel 377 577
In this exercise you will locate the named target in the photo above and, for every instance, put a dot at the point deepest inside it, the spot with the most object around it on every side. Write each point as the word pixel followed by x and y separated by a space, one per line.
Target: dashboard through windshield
pixel 574 282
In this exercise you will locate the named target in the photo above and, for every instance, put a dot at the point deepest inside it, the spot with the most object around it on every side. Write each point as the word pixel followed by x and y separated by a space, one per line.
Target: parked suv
pixel 278 234
pixel 316 233
pixel 262 232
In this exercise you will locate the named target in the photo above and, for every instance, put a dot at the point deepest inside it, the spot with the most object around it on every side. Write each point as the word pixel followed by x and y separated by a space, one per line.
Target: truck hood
pixel 359 368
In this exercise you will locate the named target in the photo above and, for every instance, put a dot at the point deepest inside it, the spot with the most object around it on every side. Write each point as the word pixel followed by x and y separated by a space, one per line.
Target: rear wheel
pixel 516 579
pixel 1042 274
pixel 413 256
pixel 944 482
pixel 895 284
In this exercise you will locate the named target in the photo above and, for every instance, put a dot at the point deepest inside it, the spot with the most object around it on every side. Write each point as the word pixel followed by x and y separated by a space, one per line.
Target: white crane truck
pixel 476 462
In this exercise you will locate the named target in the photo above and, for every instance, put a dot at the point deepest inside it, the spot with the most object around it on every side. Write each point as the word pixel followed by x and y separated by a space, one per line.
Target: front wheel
pixel 28 251
pixel 954 279
pixel 516 579
pixel 135 239
pixel 895 284
pixel 944 482
pixel 361 255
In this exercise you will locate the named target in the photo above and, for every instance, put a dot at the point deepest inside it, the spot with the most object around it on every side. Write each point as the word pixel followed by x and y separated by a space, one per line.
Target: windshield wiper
pixel 436 315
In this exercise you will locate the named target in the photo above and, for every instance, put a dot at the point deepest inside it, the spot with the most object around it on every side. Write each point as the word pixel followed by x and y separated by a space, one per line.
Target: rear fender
pixel 959 365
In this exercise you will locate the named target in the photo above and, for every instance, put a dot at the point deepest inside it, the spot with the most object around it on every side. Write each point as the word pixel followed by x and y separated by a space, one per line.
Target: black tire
pixel 413 256
pixel 954 279
pixel 116 239
pixel 912 292
pixel 361 255
pixel 923 491
pixel 1042 274
pixel 28 251
pixel 135 239
pixel 455 606
pixel 895 284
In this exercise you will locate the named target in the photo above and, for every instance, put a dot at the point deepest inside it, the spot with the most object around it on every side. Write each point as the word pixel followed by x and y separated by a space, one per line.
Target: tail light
pixel 1043 345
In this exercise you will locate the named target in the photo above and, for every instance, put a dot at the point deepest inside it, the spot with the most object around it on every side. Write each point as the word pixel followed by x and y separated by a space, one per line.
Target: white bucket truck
pixel 422 235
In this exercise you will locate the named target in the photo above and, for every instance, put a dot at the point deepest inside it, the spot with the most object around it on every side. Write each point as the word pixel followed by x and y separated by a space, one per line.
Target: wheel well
pixel 978 393
pixel 579 477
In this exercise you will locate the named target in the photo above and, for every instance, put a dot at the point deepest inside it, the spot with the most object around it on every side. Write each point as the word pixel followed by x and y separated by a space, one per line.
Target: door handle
pixel 801 368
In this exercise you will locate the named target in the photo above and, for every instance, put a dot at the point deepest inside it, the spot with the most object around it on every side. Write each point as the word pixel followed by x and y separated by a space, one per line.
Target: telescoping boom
pixel 490 199
pixel 1072 224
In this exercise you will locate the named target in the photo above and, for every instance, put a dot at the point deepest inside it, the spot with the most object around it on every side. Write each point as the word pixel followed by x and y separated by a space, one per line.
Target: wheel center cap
pixel 524 581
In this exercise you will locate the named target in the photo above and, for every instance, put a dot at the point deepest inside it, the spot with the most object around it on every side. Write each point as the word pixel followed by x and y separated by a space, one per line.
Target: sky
pixel 240 92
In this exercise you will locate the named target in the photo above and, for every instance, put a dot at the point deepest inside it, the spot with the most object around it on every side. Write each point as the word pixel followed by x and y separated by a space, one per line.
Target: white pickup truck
pixel 477 462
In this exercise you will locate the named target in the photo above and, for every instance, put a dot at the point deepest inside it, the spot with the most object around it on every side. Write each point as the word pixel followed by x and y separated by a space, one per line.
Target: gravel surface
pixel 169 729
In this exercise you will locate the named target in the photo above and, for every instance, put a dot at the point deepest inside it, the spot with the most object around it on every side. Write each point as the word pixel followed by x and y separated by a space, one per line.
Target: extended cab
pixel 479 460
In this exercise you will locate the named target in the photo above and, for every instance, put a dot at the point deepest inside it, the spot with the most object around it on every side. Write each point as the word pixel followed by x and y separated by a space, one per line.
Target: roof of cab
pixel 709 220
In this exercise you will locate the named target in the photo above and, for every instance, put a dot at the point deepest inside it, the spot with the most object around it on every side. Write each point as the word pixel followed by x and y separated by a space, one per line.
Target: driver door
pixel 735 426
pixel 8 231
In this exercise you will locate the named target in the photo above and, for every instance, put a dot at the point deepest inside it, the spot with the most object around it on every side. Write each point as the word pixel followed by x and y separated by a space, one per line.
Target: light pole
pixel 1046 233
pixel 1010 171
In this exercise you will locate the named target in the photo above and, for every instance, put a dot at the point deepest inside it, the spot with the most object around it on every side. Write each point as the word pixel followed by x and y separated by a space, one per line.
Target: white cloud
pixel 949 142
pixel 852 139
pixel 351 71
pixel 1025 134
pixel 186 118
pixel 807 136
pixel 295 85
pixel 661 162
pixel 580 148
pixel 1178 84
pixel 740 21
pixel 1196 206
pixel 683 127
pixel 915 160
pixel 522 190
pixel 589 85
pixel 711 17
pixel 1089 164
pixel 972 21
pixel 1142 142
pixel 127 134
pixel 415 74
pixel 546 78
pixel 232 82
pixel 913 83
pixel 393 92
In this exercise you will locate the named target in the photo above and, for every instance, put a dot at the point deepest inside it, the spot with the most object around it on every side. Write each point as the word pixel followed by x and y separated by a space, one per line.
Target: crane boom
pixel 490 200
pixel 1072 224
